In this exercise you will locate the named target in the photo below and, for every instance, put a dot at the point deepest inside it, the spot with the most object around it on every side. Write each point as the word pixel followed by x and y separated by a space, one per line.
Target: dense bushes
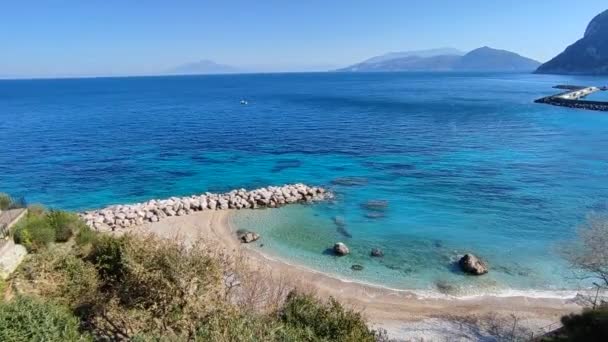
pixel 328 321
pixel 40 228
pixel 34 233
pixel 589 326
pixel 144 289
pixel 27 319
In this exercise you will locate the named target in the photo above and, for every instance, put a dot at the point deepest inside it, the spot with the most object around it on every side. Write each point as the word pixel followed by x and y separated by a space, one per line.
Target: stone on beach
pixel 470 264
pixel 341 249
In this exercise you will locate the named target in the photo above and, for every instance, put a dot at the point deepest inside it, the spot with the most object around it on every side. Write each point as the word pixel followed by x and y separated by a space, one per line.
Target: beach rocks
pixel 122 216
pixel 248 237
pixel 470 264
pixel 341 249
pixel 377 253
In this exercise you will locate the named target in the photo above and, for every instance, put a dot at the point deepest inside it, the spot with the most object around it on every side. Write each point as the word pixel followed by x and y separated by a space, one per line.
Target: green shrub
pixel 26 319
pixel 39 228
pixel 591 325
pixel 150 289
pixel 85 236
pixel 324 321
pixel 5 201
pixel 34 233
pixel 107 255
pixel 65 224
pixel 234 326
pixel 36 209
pixel 79 282
pixel 2 288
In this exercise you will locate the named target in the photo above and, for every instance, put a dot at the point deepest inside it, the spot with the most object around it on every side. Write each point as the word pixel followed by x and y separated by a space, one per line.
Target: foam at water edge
pixel 430 294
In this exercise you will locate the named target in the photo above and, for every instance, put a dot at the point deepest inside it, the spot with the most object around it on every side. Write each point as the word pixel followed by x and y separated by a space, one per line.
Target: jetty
pixel 123 216
pixel 573 97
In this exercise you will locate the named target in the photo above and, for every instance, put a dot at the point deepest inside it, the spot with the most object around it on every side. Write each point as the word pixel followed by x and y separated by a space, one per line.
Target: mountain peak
pixel 587 56
pixel 489 59
pixel 597 25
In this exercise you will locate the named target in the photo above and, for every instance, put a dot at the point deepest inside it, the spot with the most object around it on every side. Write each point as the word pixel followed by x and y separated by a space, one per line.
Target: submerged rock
pixel 341 226
pixel 341 249
pixel 356 267
pixel 349 181
pixel 375 205
pixel 377 252
pixel 470 264
pixel 374 215
pixel 342 230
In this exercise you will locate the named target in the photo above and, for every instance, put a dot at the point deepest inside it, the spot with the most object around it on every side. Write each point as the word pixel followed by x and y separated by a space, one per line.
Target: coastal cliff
pixel 588 56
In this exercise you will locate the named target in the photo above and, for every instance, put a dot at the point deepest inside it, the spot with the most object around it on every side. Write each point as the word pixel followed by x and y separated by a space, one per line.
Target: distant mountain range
pixel 203 67
pixel 447 59
pixel 588 56
pixel 418 53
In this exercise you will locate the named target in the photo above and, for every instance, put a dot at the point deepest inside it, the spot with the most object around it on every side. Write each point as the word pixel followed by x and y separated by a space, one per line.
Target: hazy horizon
pixel 76 39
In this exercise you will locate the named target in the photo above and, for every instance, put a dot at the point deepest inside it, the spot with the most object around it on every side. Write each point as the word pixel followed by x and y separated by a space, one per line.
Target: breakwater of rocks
pixel 123 216
pixel 579 104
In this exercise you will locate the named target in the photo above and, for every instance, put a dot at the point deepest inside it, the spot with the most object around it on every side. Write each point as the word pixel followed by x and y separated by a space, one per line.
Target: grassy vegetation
pixel 27 319
pixel 40 228
pixel 143 289
pixel 5 201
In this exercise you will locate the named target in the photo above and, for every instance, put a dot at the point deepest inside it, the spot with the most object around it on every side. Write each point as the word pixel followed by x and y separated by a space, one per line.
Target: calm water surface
pixel 465 162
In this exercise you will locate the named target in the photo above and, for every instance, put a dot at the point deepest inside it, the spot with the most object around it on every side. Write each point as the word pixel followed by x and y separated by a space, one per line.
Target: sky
pixel 46 38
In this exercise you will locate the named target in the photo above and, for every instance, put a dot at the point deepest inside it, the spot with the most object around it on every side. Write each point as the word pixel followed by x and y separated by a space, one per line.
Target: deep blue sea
pixel 465 162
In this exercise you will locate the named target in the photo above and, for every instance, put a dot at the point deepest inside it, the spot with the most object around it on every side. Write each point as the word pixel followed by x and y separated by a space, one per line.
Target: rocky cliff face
pixel 588 56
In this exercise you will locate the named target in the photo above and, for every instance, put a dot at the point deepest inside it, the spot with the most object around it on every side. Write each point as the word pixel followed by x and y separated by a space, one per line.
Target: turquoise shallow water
pixel 465 162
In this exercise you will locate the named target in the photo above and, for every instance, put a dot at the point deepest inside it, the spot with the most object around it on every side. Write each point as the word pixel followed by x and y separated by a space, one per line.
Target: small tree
pixel 589 252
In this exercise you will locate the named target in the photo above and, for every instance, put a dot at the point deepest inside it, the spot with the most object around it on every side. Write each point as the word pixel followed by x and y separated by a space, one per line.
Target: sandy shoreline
pixel 388 308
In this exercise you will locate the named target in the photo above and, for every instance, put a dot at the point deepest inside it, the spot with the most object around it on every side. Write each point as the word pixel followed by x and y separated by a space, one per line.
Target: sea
pixel 425 166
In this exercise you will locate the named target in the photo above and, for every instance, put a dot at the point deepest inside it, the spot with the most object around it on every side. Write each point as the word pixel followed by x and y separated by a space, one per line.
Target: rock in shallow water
pixel 470 264
pixel 341 249
pixel 377 252
pixel 356 267
pixel 248 237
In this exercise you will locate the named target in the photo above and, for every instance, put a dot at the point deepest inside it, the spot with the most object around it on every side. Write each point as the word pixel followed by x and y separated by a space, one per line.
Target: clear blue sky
pixel 95 37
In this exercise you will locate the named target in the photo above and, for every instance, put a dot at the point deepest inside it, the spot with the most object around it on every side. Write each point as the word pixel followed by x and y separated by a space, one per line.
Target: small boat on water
pixel 244 102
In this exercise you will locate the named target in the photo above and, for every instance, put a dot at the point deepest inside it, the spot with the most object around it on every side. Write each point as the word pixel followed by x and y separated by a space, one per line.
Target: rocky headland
pixel 587 56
